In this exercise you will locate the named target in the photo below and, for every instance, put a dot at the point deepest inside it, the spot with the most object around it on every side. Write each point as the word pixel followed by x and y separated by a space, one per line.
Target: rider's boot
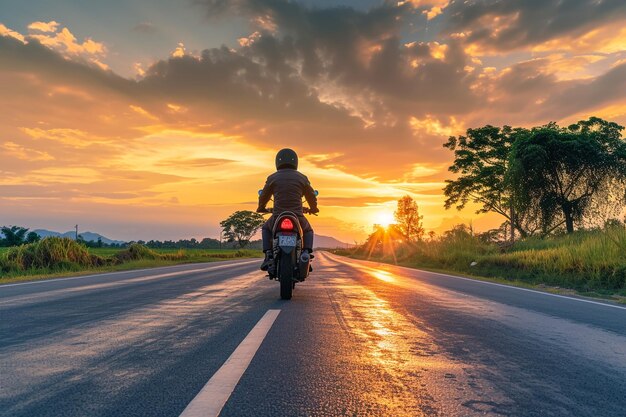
pixel 268 261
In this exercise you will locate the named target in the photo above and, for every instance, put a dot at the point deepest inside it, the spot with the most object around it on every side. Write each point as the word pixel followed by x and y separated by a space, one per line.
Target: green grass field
pixel 55 257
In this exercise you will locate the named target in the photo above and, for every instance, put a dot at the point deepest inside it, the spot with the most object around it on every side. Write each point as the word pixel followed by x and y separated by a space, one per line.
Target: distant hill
pixel 321 242
pixel 328 242
pixel 88 236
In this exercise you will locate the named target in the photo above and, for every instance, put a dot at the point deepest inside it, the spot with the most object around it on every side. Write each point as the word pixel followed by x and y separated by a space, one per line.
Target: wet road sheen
pixel 357 339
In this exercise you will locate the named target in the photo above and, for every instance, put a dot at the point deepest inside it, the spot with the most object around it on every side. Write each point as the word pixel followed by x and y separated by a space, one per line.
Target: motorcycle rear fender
pixel 293 217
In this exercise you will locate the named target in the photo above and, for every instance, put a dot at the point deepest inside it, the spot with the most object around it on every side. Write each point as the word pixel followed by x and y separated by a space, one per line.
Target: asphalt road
pixel 357 339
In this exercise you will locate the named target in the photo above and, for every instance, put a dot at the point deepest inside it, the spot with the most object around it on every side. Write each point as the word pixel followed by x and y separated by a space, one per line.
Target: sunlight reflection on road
pixel 402 345
pixel 382 275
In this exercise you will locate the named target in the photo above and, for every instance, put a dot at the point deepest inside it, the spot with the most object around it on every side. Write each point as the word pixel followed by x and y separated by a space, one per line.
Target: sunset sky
pixel 156 119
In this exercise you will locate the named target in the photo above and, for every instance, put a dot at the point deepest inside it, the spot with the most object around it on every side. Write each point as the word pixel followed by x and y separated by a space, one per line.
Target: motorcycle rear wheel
pixel 285 275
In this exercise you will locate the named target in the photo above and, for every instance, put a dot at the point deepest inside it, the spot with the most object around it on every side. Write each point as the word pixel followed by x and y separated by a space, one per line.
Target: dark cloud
pixel 147 28
pixel 512 24
pixel 33 57
pixel 587 95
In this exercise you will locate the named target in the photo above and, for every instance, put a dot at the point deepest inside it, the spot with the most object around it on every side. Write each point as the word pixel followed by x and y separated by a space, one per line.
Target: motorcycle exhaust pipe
pixel 303 264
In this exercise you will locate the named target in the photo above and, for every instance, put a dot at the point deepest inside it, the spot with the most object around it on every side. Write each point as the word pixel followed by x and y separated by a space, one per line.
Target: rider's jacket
pixel 287 186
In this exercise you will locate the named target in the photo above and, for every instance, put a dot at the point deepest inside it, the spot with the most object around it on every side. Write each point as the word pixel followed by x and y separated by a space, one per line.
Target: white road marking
pixel 124 272
pixel 412 271
pixel 582 300
pixel 211 399
pixel 108 284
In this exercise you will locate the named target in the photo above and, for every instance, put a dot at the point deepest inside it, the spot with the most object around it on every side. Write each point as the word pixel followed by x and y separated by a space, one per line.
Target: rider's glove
pixel 260 209
pixel 315 210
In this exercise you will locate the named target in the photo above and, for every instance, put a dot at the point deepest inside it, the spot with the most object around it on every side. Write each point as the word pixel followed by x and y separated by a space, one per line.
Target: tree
pixel 563 171
pixel 482 160
pixel 13 235
pixel 408 219
pixel 241 226
pixel 32 237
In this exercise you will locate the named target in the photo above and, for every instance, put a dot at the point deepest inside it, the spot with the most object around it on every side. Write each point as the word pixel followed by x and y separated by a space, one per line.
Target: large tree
pixel 241 226
pixel 566 172
pixel 409 220
pixel 13 235
pixel 481 158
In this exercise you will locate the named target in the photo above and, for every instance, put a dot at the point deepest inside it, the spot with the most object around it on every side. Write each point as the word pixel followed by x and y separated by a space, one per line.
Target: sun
pixel 384 219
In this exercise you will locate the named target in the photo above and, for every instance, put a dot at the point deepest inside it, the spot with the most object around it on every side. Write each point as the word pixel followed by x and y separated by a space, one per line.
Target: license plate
pixel 286 240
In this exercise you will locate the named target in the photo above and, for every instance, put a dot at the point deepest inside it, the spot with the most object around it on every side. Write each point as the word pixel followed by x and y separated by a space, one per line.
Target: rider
pixel 287 185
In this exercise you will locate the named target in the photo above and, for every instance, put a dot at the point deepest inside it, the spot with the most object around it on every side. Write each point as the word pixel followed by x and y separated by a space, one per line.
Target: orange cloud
pixel 180 51
pixel 15 150
pixel 5 31
pixel 44 26
pixel 433 126
pixel 606 39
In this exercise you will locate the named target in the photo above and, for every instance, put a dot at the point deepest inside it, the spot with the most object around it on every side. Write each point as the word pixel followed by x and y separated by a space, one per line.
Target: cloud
pixel 589 94
pixel 324 75
pixel 147 28
pixel 194 162
pixel 20 152
pixel 513 24
pixel 62 41
pixel 179 52
pixel 46 27
pixel 433 126
pixel 605 39
pixel 5 31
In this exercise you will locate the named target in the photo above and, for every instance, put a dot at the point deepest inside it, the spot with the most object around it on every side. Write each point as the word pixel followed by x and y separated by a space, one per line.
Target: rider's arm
pixel 265 196
pixel 309 194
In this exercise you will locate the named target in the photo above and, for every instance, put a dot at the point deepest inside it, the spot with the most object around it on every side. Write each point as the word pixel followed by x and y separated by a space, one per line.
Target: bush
pixel 135 252
pixel 51 252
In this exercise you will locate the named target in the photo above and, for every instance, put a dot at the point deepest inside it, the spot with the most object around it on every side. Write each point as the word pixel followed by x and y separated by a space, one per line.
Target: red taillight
pixel 286 224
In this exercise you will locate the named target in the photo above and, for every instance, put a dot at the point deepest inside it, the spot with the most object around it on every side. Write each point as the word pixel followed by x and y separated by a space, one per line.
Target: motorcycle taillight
pixel 286 225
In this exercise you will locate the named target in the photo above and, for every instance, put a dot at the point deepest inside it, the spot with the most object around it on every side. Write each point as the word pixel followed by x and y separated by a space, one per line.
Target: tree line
pixel 17 235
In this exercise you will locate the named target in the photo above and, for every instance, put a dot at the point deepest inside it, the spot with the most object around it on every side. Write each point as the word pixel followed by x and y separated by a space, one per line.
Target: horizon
pixel 256 237
pixel 155 122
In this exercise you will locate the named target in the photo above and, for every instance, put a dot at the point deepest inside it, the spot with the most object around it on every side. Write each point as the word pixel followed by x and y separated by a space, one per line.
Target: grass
pixel 592 263
pixel 56 257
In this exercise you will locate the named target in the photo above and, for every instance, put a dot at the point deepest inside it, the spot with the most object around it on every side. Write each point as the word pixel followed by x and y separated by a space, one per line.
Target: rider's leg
pixel 307 230
pixel 308 240
pixel 266 234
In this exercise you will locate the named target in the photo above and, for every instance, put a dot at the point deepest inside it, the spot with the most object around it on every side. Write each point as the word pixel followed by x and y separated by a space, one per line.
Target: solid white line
pixel 582 300
pixel 414 270
pixel 43 281
pixel 211 399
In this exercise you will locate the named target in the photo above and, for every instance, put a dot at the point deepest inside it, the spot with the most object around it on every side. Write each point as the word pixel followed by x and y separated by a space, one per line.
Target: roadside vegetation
pixel 54 256
pixel 561 192
pixel 591 262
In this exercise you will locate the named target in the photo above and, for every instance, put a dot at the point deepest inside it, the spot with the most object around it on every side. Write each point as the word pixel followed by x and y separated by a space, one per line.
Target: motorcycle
pixel 291 263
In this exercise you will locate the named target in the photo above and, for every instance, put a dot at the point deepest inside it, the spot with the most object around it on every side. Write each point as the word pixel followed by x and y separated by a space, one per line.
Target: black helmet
pixel 286 158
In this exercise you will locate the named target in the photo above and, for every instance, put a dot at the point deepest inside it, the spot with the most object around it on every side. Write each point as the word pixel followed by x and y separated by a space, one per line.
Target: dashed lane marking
pixel 211 399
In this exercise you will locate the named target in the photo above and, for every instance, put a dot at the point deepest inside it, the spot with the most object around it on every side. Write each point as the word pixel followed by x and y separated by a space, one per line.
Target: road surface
pixel 357 339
